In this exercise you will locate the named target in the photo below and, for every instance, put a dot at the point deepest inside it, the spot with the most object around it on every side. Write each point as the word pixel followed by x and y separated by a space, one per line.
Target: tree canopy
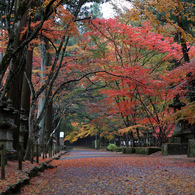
pixel 101 75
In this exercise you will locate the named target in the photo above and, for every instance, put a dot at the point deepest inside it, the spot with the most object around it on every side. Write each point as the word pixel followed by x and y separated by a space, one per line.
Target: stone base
pixel 191 148
pixel 12 155
pixel 146 150
pixel 5 160
pixel 174 148
pixel 128 150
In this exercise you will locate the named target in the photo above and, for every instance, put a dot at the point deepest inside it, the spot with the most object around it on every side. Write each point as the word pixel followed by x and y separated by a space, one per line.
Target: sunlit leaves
pixel 83 130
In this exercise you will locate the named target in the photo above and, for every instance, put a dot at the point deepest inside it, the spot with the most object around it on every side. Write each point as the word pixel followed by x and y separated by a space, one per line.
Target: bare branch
pixel 3 4
pixel 30 84
pixel 50 41
pixel 90 73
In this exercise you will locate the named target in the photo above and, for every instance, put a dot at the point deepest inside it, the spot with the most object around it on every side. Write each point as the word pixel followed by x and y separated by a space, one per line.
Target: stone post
pixel 23 125
pixel 37 153
pixel 7 127
pixel 191 147
pixel 20 157
pixel 2 161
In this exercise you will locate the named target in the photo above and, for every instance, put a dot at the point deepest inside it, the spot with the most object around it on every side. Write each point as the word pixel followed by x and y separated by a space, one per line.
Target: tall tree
pixel 59 41
pixel 137 56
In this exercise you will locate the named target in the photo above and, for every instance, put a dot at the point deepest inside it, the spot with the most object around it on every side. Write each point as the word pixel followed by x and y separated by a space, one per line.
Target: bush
pixel 118 149
pixel 111 147
pixel 129 150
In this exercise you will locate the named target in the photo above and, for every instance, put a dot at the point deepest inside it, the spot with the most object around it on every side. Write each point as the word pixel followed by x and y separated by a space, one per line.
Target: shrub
pixel 112 147
pixel 118 149
pixel 128 150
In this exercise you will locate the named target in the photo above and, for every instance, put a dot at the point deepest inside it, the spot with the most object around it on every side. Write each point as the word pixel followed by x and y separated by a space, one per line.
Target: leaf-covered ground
pixel 13 175
pixel 117 174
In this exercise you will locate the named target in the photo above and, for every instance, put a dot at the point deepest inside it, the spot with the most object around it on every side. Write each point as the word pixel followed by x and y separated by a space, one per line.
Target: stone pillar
pixel 23 125
pixel 191 147
pixel 7 127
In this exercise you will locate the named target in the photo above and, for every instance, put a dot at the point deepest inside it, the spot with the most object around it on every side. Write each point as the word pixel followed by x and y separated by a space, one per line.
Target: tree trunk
pixel 31 132
pixel 132 138
pixel 49 122
pixel 57 133
pixel 45 62
pixel 25 99
pixel 16 71
pixel 181 34
pixel 137 130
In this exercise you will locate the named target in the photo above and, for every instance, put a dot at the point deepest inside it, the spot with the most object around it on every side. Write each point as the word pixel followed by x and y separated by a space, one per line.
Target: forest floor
pixel 90 172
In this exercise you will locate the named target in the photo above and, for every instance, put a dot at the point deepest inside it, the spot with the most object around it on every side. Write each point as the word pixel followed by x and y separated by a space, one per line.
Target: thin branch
pixel 30 84
pixel 90 73
pixel 52 76
pixel 3 4
pixel 63 112
pixel 10 53
pixel 82 19
pixel 90 80
pixel 49 41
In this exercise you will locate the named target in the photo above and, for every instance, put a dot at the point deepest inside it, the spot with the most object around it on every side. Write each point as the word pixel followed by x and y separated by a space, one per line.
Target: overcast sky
pixel 108 11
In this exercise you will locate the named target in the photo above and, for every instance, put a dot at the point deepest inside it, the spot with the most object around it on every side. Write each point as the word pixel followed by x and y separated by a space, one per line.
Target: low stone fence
pixel 36 155
pixel 179 148
pixel 141 150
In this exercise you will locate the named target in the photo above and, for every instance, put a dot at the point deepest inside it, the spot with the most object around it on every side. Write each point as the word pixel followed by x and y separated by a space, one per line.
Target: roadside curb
pixel 16 187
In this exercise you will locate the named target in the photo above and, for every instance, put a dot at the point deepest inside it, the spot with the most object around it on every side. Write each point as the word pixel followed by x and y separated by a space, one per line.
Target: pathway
pixel 82 152
pixel 90 172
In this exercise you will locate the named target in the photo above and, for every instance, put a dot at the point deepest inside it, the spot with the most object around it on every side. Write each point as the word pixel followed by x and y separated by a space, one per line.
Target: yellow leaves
pixel 132 15
pixel 107 134
pixel 46 3
pixel 132 129
pixel 36 71
pixel 84 130
pixel 72 48
pixel 167 10
pixel 110 136
pixel 71 137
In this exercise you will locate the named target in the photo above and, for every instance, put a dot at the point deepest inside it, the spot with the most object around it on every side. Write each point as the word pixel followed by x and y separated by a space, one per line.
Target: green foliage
pixel 128 150
pixel 100 51
pixel 112 147
pixel 118 149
